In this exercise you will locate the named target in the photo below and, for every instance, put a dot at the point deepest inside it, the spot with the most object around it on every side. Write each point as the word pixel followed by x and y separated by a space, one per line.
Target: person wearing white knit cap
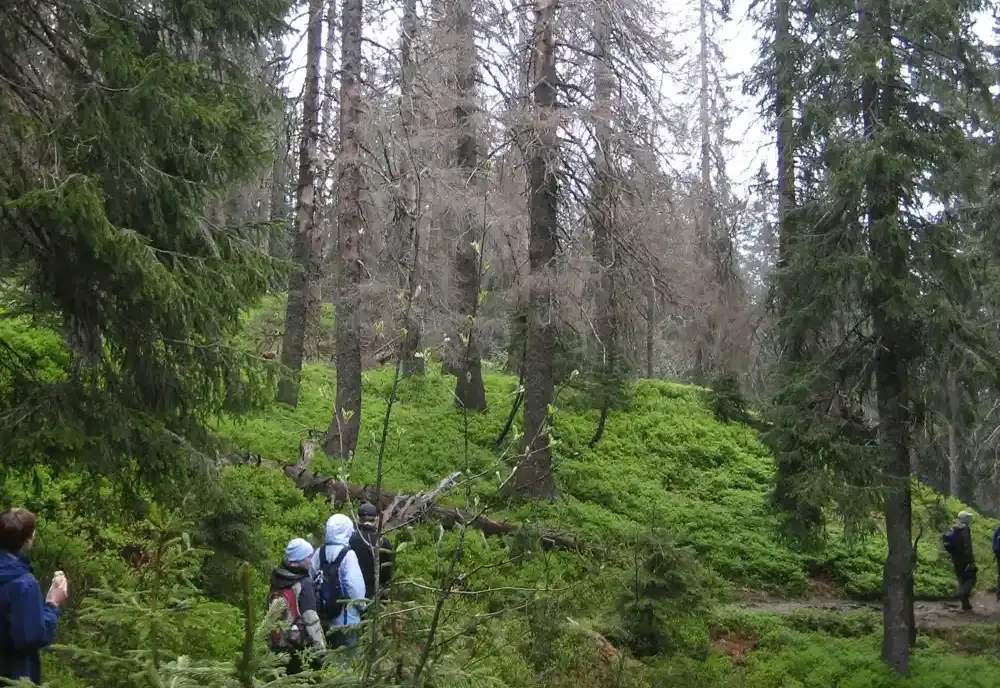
pixel 958 543
pixel 298 625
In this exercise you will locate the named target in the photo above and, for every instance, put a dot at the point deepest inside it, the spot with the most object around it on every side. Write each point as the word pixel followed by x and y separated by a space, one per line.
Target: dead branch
pixel 400 510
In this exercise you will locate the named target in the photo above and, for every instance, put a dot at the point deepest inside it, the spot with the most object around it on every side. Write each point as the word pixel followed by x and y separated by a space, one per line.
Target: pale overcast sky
pixel 740 46
pixel 754 144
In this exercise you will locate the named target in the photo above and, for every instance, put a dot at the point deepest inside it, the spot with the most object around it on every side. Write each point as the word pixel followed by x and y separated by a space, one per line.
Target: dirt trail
pixel 937 614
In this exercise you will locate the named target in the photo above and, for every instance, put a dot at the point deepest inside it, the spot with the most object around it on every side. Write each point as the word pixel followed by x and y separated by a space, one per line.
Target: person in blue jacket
pixel 27 620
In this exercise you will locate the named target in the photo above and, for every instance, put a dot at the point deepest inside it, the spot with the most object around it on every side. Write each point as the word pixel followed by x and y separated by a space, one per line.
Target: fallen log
pixel 403 510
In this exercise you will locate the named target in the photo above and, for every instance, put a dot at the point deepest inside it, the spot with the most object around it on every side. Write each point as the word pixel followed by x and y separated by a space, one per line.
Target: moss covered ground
pixel 671 503
pixel 665 468
pixel 664 463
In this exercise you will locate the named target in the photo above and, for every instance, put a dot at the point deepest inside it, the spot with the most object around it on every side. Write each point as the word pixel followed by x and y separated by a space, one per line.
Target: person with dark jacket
pixel 996 556
pixel 958 543
pixel 363 544
pixel 27 620
pixel 291 582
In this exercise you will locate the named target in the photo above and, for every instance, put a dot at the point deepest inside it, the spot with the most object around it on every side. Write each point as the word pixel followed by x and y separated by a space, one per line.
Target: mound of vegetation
pixel 665 463
pixel 671 506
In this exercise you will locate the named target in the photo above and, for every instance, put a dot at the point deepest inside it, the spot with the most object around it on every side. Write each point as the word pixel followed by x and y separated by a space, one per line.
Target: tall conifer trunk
pixel 891 332
pixel 470 391
pixel 705 332
pixel 308 238
pixel 327 208
pixel 408 236
pixel 343 436
pixel 534 474
pixel 601 216
pixel 783 103
pixel 954 447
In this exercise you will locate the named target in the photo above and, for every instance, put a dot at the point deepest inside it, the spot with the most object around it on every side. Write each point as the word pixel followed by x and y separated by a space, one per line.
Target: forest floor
pixel 929 613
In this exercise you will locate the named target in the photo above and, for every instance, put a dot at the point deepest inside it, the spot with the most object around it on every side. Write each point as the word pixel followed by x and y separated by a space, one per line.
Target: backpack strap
pixel 340 557
pixel 336 562
pixel 294 602
pixel 334 568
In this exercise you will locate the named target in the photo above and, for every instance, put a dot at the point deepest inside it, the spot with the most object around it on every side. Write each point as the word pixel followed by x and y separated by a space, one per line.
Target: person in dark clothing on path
pixel 27 620
pixel 996 557
pixel 958 543
pixel 291 582
pixel 363 541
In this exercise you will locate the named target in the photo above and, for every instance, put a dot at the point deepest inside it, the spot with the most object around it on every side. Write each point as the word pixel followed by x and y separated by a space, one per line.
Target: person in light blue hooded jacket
pixel 337 553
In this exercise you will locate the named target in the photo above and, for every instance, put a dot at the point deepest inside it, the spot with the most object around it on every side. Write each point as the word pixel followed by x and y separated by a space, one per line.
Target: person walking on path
pixel 363 542
pixel 339 582
pixel 27 620
pixel 301 627
pixel 996 557
pixel 958 543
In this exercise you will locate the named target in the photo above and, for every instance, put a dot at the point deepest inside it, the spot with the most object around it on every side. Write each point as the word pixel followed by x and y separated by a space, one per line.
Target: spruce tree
pixel 148 634
pixel 875 289
pixel 120 126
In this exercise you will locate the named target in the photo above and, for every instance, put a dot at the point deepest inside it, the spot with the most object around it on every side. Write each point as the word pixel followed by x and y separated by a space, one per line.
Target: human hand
pixel 59 590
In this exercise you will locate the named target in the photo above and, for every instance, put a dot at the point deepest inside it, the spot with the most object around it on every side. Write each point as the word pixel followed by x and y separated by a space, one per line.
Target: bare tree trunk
pixel 534 474
pixel 327 208
pixel 470 391
pixel 308 240
pixel 889 327
pixel 278 205
pixel 650 322
pixel 703 353
pixel 954 448
pixel 408 236
pixel 786 153
pixel 602 216
pixel 343 436
pixel 279 170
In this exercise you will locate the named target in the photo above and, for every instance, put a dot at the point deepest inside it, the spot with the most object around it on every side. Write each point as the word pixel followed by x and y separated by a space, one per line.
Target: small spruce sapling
pixel 148 635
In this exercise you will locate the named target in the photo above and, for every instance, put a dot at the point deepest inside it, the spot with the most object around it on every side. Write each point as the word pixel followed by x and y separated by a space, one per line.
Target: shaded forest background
pixel 479 186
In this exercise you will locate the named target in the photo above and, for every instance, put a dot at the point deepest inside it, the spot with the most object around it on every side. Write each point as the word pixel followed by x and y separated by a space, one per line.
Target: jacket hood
pixel 339 530
pixel 12 566
pixel 286 576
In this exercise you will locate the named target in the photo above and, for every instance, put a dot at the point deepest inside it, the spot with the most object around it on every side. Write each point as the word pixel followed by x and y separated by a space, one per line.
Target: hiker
pixel 301 627
pixel 27 620
pixel 363 544
pixel 340 585
pixel 958 543
pixel 996 556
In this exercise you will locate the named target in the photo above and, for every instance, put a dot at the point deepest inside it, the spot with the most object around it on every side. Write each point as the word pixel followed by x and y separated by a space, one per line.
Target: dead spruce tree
pixel 534 474
pixel 602 216
pixel 717 333
pixel 407 234
pixel 470 392
pixel 346 422
pixel 302 290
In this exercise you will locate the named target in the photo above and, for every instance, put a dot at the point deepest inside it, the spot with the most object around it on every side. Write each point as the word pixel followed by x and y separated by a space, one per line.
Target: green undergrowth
pixel 664 462
pixel 822 648
pixel 670 505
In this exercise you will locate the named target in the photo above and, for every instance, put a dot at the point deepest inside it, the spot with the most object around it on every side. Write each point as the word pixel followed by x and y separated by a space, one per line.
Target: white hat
pixel 298 550
pixel 964 516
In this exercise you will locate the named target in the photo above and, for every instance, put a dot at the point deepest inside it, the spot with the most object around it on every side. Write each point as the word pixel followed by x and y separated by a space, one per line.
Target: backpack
pixel 289 636
pixel 329 595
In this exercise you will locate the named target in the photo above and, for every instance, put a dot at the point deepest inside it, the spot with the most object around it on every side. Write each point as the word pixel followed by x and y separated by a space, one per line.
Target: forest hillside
pixel 673 548
pixel 636 410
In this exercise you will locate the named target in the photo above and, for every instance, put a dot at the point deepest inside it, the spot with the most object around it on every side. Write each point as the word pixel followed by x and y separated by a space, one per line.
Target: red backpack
pixel 289 635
